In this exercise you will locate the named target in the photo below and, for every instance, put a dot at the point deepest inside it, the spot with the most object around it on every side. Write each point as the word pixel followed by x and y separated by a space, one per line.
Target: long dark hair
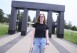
pixel 38 19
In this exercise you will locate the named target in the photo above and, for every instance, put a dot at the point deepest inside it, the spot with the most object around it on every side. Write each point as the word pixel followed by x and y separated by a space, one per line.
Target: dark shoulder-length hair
pixel 38 19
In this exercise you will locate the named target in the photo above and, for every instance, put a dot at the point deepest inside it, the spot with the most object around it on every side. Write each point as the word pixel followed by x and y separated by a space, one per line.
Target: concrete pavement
pixel 23 45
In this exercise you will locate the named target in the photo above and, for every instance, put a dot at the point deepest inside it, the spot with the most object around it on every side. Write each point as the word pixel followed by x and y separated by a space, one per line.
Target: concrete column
pixel 60 26
pixel 24 22
pixel 12 23
pixel 49 22
pixel 37 14
pixel 19 23
pixel 53 28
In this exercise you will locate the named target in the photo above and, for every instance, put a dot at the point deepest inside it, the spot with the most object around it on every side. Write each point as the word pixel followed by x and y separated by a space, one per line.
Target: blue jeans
pixel 39 44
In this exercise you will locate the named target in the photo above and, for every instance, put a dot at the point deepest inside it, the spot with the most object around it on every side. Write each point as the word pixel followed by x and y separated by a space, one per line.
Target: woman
pixel 40 38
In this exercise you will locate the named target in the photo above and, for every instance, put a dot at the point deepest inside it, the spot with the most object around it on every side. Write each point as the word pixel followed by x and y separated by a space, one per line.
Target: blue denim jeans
pixel 39 44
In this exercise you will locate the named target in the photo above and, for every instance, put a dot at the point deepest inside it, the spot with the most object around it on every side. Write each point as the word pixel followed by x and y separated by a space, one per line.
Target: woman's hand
pixel 47 44
pixel 45 47
pixel 31 48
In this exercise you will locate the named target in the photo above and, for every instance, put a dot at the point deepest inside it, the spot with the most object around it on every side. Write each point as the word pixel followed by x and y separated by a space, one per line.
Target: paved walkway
pixel 21 44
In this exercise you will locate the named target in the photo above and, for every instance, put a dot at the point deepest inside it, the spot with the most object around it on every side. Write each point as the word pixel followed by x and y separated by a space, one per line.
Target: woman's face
pixel 41 18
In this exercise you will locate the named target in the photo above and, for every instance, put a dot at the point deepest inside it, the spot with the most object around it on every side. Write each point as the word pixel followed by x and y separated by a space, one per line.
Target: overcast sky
pixel 70 8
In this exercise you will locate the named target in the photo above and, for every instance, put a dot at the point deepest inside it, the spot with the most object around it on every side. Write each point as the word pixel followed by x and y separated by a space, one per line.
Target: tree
pixel 8 18
pixel 67 26
pixel 1 15
pixel 70 25
pixel 29 20
pixel 74 28
pixel 34 19
pixel 20 14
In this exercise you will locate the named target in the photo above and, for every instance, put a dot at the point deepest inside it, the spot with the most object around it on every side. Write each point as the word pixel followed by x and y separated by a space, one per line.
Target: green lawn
pixel 3 29
pixel 70 36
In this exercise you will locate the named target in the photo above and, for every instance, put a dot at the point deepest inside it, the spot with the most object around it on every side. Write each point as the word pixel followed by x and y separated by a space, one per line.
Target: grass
pixel 70 36
pixel 3 29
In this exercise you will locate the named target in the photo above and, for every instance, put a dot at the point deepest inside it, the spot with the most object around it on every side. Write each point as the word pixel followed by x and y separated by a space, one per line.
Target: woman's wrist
pixel 47 43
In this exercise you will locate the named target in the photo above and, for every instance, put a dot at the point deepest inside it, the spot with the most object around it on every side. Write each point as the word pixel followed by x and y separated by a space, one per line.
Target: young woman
pixel 40 38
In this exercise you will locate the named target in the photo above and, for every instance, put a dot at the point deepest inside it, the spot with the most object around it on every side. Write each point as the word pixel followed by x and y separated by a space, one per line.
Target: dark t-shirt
pixel 40 30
